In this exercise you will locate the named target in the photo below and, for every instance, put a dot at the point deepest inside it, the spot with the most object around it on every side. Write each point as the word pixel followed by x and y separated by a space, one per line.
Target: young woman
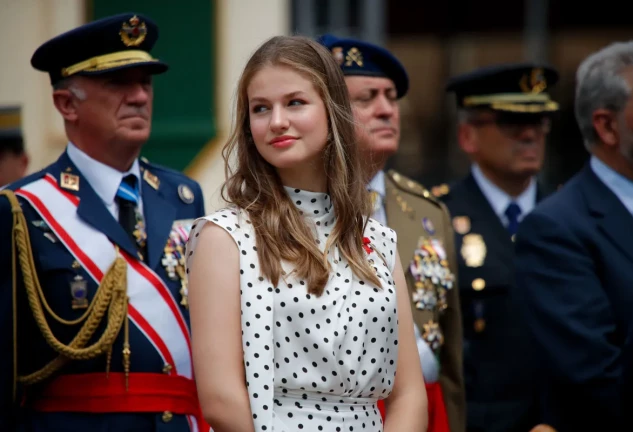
pixel 299 309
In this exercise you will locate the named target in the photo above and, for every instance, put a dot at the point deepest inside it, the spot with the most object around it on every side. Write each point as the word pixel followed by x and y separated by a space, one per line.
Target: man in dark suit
pixel 93 297
pixel 574 256
pixel 504 117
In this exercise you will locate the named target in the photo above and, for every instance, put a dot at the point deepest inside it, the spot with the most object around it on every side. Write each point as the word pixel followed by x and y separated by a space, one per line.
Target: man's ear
pixel 605 123
pixel 66 104
pixel 467 138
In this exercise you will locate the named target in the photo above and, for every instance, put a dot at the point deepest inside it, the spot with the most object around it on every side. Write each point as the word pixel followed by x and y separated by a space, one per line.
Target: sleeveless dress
pixel 315 363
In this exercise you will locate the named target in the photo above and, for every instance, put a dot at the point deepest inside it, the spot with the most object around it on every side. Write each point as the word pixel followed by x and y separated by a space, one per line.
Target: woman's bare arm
pixel 214 304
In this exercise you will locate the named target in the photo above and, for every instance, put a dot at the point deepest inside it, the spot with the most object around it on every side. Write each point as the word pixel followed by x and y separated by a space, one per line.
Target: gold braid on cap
pixel 108 61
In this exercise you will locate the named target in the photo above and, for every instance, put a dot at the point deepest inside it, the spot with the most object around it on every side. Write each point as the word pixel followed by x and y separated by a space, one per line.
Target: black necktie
pixel 513 211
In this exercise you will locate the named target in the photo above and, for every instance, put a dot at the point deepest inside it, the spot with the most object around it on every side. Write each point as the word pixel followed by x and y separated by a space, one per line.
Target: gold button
pixel 167 416
pixel 514 236
pixel 167 368
pixel 480 325
pixel 76 264
pixel 479 284
pixel 140 256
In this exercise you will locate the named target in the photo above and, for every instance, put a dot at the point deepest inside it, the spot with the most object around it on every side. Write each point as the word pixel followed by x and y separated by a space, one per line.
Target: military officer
pixel 504 114
pixel 376 81
pixel 94 319
pixel 13 158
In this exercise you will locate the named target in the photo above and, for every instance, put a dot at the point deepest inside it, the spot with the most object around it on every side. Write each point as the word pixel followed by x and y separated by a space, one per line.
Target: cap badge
pixel 536 83
pixel 354 56
pixel 337 53
pixel 133 32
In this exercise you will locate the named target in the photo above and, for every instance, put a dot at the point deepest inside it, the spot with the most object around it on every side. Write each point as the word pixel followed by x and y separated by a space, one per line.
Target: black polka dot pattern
pixel 316 363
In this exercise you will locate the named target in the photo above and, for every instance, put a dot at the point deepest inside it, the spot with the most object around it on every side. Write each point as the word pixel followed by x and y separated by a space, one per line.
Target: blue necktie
pixel 127 197
pixel 512 213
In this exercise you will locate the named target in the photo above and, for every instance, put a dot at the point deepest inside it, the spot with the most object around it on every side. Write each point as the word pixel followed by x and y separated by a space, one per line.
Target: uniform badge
pixel 151 179
pixel 133 32
pixel 461 224
pixel 174 256
pixel 354 56
pixel 69 181
pixel 473 250
pixel 79 291
pixel 48 233
pixel 428 226
pixel 433 336
pixel 186 195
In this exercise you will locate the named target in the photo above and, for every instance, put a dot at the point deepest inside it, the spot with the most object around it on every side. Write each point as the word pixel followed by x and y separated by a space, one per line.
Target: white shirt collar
pixel 499 200
pixel 377 183
pixel 619 185
pixel 104 179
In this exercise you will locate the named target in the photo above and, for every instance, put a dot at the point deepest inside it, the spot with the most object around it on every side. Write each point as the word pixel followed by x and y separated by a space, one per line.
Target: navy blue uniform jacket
pixel 574 270
pixel 162 205
pixel 500 367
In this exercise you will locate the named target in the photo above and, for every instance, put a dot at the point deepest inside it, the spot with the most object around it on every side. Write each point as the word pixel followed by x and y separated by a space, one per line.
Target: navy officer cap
pixel 362 58
pixel 106 45
pixel 514 87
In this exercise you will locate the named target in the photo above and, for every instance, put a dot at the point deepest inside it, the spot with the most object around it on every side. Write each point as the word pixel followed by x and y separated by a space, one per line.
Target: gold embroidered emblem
pixel 354 56
pixel 536 84
pixel 133 32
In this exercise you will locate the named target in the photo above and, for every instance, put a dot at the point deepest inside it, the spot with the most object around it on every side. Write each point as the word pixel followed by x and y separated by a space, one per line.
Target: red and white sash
pixel 152 308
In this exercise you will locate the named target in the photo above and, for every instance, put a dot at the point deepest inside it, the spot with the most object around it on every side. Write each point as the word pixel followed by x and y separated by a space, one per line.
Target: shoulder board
pixel 440 190
pixel 410 186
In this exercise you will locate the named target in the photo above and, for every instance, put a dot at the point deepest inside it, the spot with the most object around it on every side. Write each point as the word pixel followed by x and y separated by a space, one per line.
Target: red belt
pixel 438 420
pixel 98 393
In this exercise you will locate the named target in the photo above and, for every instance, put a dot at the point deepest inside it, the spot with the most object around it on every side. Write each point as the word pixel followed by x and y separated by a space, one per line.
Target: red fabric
pixel 438 420
pixel 98 393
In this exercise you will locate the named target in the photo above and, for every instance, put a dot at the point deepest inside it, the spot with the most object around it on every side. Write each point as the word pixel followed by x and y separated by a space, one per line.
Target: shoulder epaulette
pixel 410 186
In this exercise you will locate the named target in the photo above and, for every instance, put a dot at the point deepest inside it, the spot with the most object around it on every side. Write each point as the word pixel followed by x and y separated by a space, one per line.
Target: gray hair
pixel 71 85
pixel 599 84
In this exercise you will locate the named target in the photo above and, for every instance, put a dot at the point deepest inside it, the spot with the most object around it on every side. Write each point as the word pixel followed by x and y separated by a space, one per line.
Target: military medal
pixel 432 276
pixel 433 336
pixel 174 256
pixel 79 291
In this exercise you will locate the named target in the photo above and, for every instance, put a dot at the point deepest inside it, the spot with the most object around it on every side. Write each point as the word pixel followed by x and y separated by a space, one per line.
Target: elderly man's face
pixel 117 106
pixel 377 114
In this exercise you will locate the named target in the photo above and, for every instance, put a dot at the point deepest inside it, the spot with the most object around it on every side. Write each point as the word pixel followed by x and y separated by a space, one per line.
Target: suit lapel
pixel 91 208
pixel 613 219
pixel 159 215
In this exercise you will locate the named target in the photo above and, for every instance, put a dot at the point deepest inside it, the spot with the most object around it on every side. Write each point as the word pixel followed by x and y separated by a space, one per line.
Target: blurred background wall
pixel 207 42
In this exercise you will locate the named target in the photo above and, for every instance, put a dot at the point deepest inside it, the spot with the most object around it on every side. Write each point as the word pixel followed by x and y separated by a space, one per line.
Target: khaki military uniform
pixel 425 234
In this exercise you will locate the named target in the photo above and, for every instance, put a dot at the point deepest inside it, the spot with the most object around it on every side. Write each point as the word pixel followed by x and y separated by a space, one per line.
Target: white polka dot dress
pixel 315 363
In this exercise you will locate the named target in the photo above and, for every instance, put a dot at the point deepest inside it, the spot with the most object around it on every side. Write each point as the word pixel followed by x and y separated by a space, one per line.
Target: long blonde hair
pixel 254 185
